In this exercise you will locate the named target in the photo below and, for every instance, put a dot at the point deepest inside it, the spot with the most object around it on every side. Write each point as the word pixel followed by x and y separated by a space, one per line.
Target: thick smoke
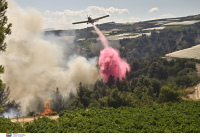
pixel 34 66
pixel 109 60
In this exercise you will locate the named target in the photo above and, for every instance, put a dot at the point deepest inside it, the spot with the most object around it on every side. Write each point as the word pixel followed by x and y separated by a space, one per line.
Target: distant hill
pixel 48 29
pixel 140 39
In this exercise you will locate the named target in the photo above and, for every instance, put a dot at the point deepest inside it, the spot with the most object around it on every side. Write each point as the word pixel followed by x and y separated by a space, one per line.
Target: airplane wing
pixel 80 22
pixel 101 17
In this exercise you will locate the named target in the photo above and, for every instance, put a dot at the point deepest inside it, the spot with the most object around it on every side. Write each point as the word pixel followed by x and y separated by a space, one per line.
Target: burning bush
pixel 47 111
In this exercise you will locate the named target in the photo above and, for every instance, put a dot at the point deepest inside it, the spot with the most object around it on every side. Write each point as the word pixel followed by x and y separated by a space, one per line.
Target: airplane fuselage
pixel 90 20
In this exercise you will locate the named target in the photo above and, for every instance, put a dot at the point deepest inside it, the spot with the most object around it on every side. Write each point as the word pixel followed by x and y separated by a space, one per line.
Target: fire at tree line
pixel 152 97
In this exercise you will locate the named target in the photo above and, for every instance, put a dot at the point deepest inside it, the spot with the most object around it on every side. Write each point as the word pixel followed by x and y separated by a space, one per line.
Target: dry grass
pixel 192 52
pixel 183 22
pixel 187 99
pixel 22 120
pixel 198 67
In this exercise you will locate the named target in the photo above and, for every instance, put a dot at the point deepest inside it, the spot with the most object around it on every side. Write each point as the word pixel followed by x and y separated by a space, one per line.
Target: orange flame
pixel 47 111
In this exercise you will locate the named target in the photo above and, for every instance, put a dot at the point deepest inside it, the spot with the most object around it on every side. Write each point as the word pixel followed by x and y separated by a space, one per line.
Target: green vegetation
pixel 54 113
pixel 1 109
pixel 6 126
pixel 151 81
pixel 167 118
pixel 4 30
pixel 195 17
pixel 166 41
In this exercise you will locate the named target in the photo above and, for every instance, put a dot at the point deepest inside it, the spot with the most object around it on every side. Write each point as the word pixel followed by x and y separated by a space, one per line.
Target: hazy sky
pixel 60 14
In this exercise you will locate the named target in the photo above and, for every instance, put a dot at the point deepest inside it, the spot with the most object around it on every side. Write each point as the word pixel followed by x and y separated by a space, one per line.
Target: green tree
pixel 111 81
pixel 94 103
pixel 1 109
pixel 172 71
pixel 191 65
pixel 114 99
pixel 147 99
pixel 135 65
pixel 156 70
pixel 189 80
pixel 5 127
pixel 133 84
pixel 4 27
pixel 118 84
pixel 156 84
pixel 127 75
pixel 184 71
pixel 170 92
pixel 16 130
pixel 1 72
pixel 143 86
pixel 4 30
pixel 125 85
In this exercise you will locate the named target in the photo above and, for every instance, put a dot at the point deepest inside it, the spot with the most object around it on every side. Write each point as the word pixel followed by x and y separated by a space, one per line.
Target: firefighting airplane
pixel 90 20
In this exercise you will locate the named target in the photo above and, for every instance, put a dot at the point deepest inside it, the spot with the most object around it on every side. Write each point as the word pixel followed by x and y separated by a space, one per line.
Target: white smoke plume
pixel 11 113
pixel 34 66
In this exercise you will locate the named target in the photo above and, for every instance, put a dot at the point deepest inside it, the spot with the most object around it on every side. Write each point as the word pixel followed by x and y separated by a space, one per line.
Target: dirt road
pixel 196 94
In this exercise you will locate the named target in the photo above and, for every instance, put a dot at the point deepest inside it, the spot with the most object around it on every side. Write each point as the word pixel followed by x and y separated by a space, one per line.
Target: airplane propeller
pixel 88 16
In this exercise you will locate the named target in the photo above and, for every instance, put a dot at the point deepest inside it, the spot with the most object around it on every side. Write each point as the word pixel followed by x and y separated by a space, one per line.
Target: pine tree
pixel 80 92
pixel 118 84
pixel 111 81
pixel 15 129
pixel 5 128
pixel 4 27
pixel 127 75
pixel 4 30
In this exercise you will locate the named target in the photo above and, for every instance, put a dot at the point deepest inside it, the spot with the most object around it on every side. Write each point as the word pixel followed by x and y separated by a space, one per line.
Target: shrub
pixel 54 113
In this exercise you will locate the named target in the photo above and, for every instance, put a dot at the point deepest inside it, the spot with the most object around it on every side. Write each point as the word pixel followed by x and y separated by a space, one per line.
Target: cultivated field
pixel 193 52
pixel 156 28
pixel 182 23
